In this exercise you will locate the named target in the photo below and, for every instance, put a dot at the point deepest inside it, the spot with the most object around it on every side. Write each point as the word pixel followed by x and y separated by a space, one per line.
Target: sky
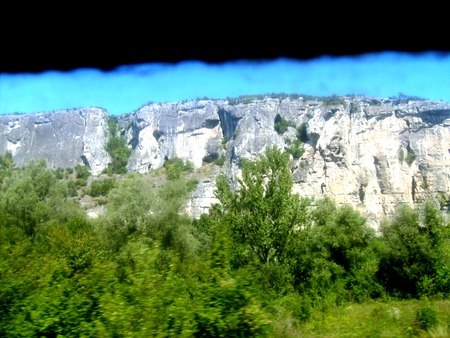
pixel 128 87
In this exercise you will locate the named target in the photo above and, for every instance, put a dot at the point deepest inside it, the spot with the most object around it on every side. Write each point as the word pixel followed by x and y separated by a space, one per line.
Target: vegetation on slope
pixel 263 262
pixel 117 149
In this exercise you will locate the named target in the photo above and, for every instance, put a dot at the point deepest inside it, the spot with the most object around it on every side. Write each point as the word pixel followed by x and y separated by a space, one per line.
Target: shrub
pixel 59 173
pixel 410 157
pixel 191 185
pixel 6 160
pixel 220 161
pixel 117 149
pixel 333 100
pixel 176 166
pixel 281 124
pixel 82 171
pixel 72 188
pixel 415 260
pixel 426 318
pixel 302 133
pixel 296 149
pixel 443 199
pixel 101 188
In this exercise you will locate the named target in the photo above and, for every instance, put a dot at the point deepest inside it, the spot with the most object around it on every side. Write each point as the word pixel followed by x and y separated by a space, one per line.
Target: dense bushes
pixel 263 262
pixel 176 167
pixel 101 188
pixel 417 247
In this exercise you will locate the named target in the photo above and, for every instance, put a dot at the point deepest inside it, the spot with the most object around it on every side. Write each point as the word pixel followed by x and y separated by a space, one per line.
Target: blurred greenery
pixel 176 168
pixel 281 124
pixel 262 262
pixel 117 149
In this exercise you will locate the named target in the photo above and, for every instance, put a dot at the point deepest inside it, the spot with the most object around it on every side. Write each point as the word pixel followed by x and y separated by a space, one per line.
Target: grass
pixel 372 319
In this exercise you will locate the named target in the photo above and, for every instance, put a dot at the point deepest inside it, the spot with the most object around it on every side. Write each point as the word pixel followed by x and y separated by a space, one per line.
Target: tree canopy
pixel 262 212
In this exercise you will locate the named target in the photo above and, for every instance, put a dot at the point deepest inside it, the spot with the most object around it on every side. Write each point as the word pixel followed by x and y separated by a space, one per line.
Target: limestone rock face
pixel 375 156
pixel 202 198
pixel 63 138
pixel 371 153
pixel 157 132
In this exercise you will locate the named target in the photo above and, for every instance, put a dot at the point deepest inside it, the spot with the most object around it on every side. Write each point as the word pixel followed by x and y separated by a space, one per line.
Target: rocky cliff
pixel 370 153
pixel 63 138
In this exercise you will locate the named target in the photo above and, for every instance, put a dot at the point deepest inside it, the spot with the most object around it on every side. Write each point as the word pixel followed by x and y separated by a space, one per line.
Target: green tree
pixel 117 149
pixel 83 171
pixel 176 167
pixel 416 260
pixel 262 213
pixel 29 199
pixel 338 254
pixel 128 210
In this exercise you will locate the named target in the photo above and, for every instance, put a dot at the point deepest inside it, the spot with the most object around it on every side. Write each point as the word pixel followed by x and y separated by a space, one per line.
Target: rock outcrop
pixel 156 132
pixel 63 138
pixel 371 153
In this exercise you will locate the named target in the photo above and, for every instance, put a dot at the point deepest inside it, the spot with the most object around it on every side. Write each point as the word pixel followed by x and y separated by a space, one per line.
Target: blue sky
pixel 130 86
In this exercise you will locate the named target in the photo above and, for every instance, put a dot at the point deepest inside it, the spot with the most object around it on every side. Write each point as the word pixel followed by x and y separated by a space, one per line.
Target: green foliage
pixel 82 171
pixel 426 318
pixel 6 161
pixel 246 99
pixel 410 157
pixel 338 259
pixel 176 167
pixel 242 99
pixel 264 262
pixel 101 188
pixel 72 188
pixel 333 100
pixel 220 161
pixel 31 197
pixel 281 124
pixel 59 173
pixel 6 166
pixel 128 210
pixel 414 262
pixel 230 311
pixel 117 149
pixel 263 214
pixel 302 133
pixel 229 306
pixel 191 185
pixel 296 149
pixel 443 200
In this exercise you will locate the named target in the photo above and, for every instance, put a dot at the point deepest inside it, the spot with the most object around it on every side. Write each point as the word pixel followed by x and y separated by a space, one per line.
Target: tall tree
pixel 263 213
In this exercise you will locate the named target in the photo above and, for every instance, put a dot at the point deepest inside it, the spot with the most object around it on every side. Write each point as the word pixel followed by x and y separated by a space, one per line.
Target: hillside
pixel 371 153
